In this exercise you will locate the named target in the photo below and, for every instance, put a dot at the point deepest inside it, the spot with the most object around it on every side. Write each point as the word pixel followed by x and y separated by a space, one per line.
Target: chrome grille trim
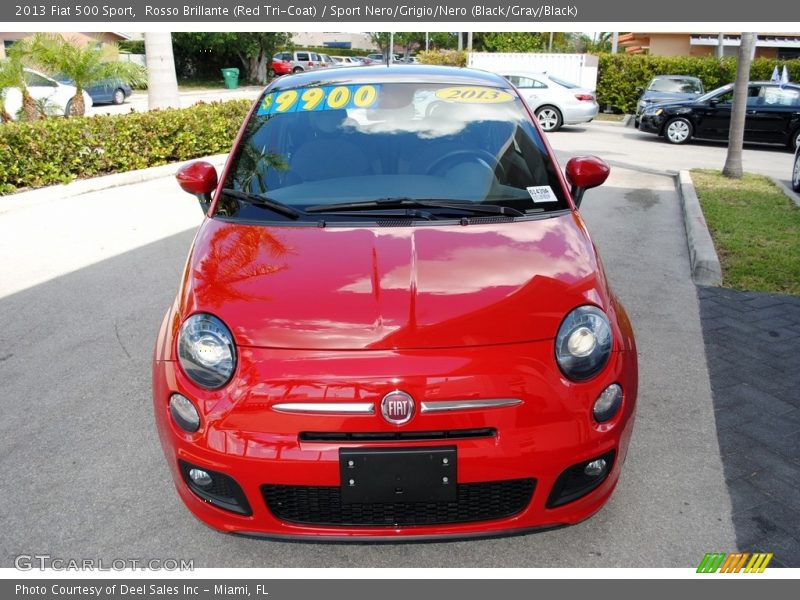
pixel 457 405
pixel 326 408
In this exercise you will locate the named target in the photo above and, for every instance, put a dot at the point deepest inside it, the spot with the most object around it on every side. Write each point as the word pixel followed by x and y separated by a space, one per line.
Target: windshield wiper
pixel 264 201
pixel 401 202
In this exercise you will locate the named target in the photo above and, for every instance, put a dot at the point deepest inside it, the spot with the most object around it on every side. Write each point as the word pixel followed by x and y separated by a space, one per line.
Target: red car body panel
pixel 281 67
pixel 348 314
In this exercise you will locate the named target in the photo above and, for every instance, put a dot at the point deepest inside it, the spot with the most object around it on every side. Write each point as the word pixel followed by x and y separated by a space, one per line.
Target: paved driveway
pixel 83 474
pixel 626 146
pixel 138 101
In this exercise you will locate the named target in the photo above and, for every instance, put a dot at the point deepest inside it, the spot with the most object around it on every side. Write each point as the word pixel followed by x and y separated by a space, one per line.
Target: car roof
pixel 692 77
pixel 398 73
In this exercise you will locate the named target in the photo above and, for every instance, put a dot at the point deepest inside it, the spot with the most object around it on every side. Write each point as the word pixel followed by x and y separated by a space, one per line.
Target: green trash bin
pixel 231 77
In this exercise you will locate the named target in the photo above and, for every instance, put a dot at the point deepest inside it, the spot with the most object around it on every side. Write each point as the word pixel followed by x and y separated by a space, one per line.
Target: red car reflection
pixel 393 323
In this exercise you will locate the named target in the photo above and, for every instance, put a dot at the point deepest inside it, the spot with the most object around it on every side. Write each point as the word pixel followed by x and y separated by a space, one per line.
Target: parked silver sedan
pixel 555 102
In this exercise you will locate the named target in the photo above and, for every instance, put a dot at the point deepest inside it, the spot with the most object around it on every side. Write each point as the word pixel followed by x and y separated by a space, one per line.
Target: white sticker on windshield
pixel 542 193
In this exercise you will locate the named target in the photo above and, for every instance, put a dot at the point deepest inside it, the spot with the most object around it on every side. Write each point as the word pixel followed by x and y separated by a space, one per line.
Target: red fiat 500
pixel 393 322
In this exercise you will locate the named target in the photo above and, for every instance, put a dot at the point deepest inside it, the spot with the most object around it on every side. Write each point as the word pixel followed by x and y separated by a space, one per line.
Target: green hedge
pixel 620 74
pixel 60 150
pixel 453 58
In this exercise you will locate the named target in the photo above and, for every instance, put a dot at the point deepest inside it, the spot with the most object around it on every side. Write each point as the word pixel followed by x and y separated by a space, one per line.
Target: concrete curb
pixel 94 184
pixel 791 194
pixel 705 265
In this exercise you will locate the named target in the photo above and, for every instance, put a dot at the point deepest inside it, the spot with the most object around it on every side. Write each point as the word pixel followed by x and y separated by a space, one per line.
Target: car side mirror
pixel 640 90
pixel 583 173
pixel 714 101
pixel 200 179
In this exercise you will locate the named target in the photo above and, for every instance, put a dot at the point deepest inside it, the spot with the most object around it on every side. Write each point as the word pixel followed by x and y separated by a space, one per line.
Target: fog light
pixel 595 468
pixel 184 413
pixel 203 479
pixel 607 403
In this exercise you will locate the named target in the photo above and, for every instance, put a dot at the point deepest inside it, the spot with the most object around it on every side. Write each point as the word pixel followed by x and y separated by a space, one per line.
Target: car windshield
pixel 714 93
pixel 567 84
pixel 316 146
pixel 676 86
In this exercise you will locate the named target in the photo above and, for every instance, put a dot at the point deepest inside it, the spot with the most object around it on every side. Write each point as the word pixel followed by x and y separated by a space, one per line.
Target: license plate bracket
pixel 391 475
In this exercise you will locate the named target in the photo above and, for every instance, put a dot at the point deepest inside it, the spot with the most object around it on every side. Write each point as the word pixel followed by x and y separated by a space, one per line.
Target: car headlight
pixel 206 351
pixel 653 111
pixel 583 343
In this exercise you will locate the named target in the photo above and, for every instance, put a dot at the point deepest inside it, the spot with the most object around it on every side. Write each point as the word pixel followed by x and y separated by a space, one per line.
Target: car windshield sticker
pixel 326 97
pixel 473 95
pixel 542 193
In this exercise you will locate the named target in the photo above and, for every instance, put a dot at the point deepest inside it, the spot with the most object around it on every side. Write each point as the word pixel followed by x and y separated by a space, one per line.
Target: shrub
pixel 619 75
pixel 453 58
pixel 60 150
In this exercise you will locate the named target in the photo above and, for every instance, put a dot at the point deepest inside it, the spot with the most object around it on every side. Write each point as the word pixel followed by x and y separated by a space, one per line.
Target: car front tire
pixel 794 141
pixel 297 70
pixel 549 118
pixel 118 97
pixel 678 131
pixel 68 109
pixel 796 172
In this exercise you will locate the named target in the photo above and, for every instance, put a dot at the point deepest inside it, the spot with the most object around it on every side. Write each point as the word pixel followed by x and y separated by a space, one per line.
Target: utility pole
pixel 469 41
pixel 721 45
pixel 460 41
pixel 614 42
pixel 427 40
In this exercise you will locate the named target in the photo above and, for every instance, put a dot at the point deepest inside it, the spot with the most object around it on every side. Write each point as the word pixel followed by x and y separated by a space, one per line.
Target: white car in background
pixel 55 97
pixel 347 61
pixel 555 102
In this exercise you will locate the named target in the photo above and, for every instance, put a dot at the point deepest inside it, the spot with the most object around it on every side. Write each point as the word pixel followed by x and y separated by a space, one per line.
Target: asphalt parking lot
pixel 629 147
pixel 84 283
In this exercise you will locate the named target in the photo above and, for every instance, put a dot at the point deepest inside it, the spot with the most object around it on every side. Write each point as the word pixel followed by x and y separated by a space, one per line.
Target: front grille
pixel 393 436
pixel 322 505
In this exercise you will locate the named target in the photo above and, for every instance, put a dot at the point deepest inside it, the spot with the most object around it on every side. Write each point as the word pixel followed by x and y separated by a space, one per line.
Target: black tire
pixel 678 130
pixel 297 70
pixel 68 109
pixel 794 140
pixel 118 97
pixel 796 171
pixel 549 117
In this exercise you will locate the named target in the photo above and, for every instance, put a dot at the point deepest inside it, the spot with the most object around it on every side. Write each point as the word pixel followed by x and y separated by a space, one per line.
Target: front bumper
pixel 286 458
pixel 651 123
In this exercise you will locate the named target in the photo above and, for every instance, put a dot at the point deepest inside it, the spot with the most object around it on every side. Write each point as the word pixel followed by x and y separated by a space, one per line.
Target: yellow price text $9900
pixel 327 97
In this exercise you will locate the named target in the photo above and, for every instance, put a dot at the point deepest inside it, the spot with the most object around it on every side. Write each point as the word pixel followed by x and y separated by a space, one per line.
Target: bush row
pixel 452 58
pixel 52 151
pixel 619 75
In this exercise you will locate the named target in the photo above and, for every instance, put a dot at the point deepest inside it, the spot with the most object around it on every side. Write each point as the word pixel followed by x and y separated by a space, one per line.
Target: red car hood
pixel 393 287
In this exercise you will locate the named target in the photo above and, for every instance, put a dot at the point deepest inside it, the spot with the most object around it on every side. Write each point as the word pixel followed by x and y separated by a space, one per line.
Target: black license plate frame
pixel 392 475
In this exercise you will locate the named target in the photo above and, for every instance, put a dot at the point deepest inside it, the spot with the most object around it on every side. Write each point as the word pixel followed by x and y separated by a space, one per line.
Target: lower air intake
pixel 322 505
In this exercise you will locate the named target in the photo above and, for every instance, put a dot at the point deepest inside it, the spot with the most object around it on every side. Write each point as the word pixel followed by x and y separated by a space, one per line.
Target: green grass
pixel 195 85
pixel 609 117
pixel 756 230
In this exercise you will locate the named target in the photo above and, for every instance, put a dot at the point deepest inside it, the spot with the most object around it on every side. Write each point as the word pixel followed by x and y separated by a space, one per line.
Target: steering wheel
pixel 466 155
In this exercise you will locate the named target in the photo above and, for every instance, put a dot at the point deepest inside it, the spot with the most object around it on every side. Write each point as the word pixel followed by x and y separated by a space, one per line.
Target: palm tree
pixel 162 87
pixel 7 80
pixel 84 64
pixel 733 161
pixel 12 75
